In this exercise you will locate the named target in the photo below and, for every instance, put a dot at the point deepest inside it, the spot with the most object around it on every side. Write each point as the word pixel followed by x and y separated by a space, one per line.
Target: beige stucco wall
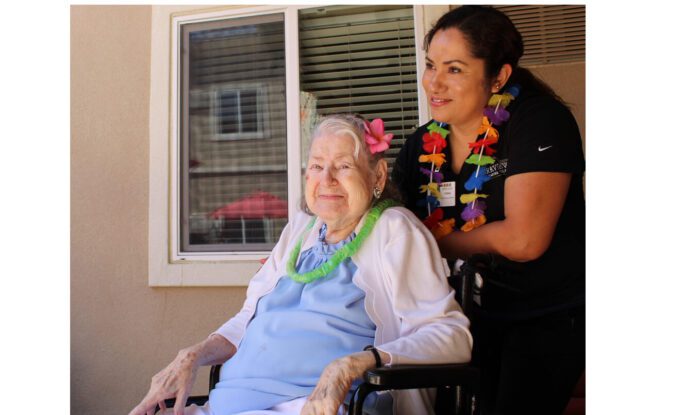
pixel 569 81
pixel 122 331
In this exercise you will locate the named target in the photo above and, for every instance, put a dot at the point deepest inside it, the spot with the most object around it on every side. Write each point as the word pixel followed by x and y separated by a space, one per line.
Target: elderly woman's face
pixel 338 187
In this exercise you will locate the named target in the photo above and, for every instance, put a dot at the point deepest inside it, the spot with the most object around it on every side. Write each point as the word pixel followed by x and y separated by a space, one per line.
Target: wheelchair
pixel 457 384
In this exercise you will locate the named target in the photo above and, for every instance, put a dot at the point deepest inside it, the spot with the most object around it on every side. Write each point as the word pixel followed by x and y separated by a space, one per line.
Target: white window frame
pixel 168 266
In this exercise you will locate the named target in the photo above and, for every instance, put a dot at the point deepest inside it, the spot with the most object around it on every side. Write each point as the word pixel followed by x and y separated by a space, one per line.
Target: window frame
pixel 293 162
pixel 168 265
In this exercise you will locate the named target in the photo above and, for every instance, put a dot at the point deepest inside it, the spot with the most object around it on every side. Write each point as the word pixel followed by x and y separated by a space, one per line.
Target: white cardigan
pixel 400 269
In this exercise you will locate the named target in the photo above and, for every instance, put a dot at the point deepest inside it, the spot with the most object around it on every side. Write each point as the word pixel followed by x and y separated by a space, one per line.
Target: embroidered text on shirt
pixel 498 168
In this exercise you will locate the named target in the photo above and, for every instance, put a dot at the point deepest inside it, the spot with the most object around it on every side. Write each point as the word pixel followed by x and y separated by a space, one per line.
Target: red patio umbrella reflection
pixel 256 205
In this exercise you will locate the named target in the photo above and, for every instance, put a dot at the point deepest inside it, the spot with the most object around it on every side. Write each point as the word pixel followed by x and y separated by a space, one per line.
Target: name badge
pixel 447 191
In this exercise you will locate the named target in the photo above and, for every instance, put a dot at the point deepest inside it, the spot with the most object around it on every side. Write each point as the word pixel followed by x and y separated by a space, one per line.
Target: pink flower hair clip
pixel 375 137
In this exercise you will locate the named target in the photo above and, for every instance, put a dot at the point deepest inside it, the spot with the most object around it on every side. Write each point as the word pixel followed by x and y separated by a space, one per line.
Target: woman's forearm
pixel 492 238
pixel 532 205
pixel 359 362
pixel 348 368
pixel 335 382
pixel 214 350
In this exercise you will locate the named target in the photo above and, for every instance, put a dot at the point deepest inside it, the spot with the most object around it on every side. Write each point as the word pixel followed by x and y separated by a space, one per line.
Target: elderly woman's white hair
pixel 352 126
pixel 348 125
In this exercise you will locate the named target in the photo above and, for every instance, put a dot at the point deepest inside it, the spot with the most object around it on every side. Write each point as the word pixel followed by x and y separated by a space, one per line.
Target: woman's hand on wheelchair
pixel 335 383
pixel 175 380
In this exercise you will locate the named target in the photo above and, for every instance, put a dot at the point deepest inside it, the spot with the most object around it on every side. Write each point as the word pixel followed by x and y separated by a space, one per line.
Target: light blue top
pixel 298 329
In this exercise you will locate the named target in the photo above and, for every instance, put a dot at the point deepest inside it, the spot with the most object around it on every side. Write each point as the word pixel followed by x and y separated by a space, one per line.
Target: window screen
pixel 359 59
pixel 233 134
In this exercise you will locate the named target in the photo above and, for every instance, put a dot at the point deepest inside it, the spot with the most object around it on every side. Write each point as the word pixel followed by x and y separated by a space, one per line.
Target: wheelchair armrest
pixel 214 374
pixel 422 376
pixel 464 375
pixel 196 400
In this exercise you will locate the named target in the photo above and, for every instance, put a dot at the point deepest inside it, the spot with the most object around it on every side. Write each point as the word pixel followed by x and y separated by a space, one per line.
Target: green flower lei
pixel 341 254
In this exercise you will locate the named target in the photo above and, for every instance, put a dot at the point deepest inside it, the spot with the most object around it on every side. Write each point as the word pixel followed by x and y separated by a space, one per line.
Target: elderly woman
pixel 350 272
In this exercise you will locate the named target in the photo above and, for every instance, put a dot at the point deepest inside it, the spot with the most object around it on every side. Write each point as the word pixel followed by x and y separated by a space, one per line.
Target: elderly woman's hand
pixel 335 383
pixel 177 378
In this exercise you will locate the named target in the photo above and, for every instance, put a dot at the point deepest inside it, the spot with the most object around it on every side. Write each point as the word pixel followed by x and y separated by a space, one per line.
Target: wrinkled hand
pixel 176 380
pixel 335 382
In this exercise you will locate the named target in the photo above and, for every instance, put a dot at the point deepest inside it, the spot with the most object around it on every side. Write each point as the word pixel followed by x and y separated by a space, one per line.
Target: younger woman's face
pixel 454 81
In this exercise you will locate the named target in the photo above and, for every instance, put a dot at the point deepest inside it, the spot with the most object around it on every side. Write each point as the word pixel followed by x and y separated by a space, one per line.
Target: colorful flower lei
pixel 434 141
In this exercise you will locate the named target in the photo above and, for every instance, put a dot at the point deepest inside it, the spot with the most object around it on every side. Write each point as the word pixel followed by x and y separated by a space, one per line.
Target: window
pixel 361 60
pixel 233 169
pixel 552 33
pixel 239 112
pixel 233 181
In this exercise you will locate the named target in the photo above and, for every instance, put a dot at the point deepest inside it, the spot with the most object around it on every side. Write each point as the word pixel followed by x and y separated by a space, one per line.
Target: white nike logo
pixel 543 149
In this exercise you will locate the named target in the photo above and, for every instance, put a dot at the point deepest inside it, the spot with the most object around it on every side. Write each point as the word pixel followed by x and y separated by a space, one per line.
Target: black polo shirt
pixel 540 136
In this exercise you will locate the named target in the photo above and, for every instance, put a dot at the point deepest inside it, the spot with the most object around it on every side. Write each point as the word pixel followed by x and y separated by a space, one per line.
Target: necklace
pixel 341 254
pixel 435 140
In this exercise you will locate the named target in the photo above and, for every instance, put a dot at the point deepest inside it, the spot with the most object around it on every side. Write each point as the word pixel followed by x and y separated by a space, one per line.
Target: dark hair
pixel 494 38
